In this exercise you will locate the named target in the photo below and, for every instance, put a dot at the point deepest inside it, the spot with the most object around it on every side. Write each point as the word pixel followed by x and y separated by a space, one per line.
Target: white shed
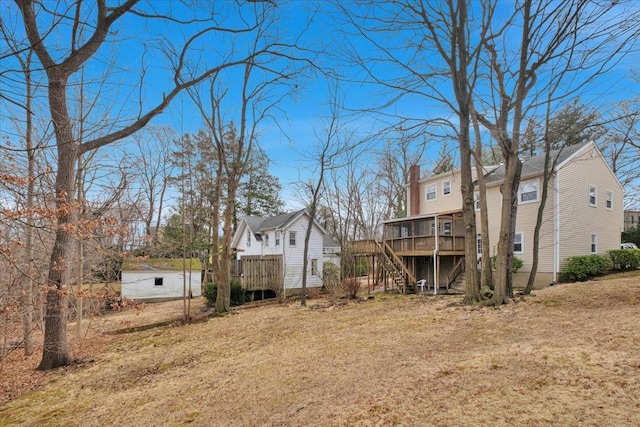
pixel 154 279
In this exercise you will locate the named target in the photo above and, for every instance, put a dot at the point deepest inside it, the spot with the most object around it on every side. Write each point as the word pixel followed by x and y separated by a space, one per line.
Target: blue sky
pixel 305 109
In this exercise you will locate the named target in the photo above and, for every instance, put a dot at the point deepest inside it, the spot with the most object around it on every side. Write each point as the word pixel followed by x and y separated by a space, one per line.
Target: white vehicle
pixel 628 245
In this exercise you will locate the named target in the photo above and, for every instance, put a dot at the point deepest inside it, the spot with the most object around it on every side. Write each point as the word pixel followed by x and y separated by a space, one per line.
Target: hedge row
pixel 586 266
pixel 625 259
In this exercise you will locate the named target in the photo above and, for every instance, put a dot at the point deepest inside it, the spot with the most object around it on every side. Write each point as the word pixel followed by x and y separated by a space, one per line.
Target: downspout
pixel 284 264
pixel 435 257
pixel 556 246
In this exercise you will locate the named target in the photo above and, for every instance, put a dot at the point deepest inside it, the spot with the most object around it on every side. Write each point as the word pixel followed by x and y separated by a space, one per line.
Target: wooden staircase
pixel 455 278
pixel 402 278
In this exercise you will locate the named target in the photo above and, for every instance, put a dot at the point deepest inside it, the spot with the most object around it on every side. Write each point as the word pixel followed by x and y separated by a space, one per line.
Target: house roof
pixel 279 221
pixel 534 166
pixel 329 242
pixel 258 225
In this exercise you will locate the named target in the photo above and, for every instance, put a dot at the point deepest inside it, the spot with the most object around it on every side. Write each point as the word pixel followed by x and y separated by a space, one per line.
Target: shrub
pixel 210 293
pixel 330 274
pixel 517 263
pixel 586 266
pixel 237 293
pixel 351 286
pixel 625 259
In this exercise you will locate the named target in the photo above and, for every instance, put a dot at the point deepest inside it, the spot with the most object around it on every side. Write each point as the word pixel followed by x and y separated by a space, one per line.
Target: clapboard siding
pixel 577 219
pixel 140 285
pixel 292 255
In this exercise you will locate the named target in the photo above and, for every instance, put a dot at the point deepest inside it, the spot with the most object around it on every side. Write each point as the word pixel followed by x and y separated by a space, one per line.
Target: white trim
pixel 476 201
pixel 427 192
pixel 556 243
pixel 608 200
pixel 595 196
pixel 443 193
pixel 521 233
pixel 520 192
pixel 593 243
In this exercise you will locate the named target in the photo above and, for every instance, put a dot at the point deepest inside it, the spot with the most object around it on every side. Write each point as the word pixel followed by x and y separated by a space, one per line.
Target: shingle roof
pixel 278 220
pixel 533 166
pixel 328 242
pixel 260 223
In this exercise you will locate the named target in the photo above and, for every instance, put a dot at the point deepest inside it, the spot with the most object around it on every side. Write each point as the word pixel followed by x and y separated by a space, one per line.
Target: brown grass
pixel 566 356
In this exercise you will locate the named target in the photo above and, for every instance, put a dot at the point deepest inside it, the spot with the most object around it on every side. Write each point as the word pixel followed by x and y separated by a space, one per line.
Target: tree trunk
pixel 28 280
pixel 305 259
pixel 56 351
pixel 543 202
pixel 486 277
pixel 503 286
pixel 223 298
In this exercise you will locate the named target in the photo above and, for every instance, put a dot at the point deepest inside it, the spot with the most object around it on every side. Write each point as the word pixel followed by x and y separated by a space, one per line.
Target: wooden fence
pixel 262 273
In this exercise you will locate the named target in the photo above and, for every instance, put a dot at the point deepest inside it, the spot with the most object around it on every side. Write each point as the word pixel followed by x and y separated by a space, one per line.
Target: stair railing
pixel 455 272
pixel 397 263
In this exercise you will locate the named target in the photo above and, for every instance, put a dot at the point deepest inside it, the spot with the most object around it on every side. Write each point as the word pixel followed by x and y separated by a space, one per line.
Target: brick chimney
pixel 414 190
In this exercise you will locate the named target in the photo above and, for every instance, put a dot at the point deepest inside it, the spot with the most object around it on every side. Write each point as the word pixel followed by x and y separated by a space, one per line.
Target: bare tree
pixel 553 43
pixel 333 140
pixel 443 28
pixel 621 148
pixel 87 29
pixel 153 169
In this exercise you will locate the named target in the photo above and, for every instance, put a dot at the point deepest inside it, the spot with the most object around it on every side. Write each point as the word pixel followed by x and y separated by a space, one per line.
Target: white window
pixel 518 243
pixel 266 239
pixel 528 192
pixel 593 195
pixel 446 228
pixel 479 244
pixel 433 228
pixel 248 238
pixel 314 267
pixel 431 192
pixel 277 238
pixel 609 199
pixel 476 201
pixel 292 238
pixel 594 243
pixel 446 188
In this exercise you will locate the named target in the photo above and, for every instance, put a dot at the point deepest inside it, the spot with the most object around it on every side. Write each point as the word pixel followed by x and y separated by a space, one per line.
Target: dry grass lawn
pixel 567 356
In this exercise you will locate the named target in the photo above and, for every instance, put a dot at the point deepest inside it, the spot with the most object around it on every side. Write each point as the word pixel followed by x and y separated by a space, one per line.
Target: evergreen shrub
pixel 238 294
pixel 625 259
pixel 584 267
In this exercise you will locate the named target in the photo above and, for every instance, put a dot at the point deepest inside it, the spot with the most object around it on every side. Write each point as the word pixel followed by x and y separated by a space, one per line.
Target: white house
pixel 281 238
pixel 159 279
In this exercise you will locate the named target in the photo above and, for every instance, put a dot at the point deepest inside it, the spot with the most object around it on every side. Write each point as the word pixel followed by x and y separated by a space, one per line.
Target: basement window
pixel 157 281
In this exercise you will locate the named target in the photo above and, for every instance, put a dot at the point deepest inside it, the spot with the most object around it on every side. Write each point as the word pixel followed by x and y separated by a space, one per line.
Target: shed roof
pixel 159 264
